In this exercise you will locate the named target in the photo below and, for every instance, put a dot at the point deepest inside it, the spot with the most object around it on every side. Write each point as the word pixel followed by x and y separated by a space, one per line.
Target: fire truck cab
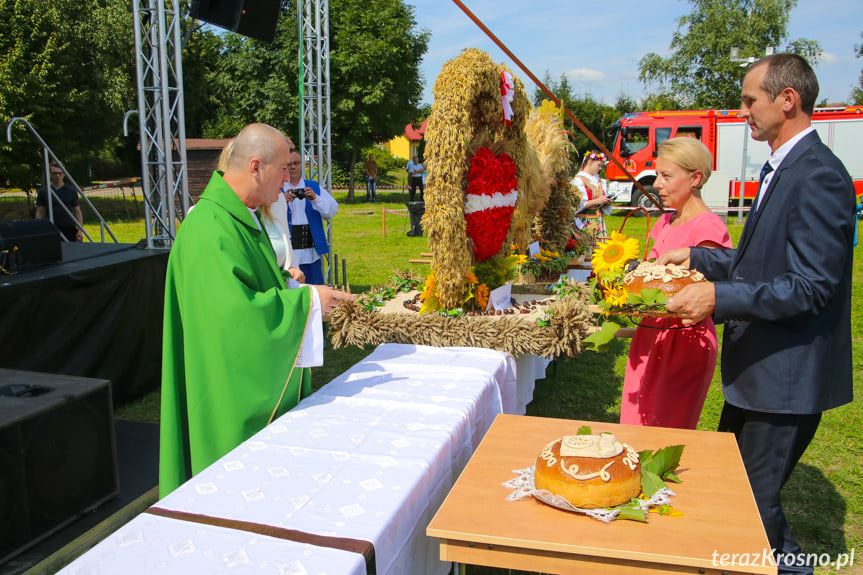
pixel 638 135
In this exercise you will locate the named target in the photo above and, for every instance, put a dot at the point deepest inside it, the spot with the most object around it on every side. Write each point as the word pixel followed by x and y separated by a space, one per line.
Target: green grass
pixel 823 499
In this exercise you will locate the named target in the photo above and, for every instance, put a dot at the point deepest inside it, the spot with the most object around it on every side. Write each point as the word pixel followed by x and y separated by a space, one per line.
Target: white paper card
pixel 533 248
pixel 578 275
pixel 500 298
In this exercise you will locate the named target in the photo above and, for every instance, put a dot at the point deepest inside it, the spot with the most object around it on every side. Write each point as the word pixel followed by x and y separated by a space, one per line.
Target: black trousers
pixel 416 181
pixel 771 444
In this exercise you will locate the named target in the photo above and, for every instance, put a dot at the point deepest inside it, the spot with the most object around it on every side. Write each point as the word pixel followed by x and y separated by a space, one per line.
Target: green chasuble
pixel 232 333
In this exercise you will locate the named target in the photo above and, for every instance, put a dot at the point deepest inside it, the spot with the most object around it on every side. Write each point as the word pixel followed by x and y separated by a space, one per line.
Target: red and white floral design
pixel 489 201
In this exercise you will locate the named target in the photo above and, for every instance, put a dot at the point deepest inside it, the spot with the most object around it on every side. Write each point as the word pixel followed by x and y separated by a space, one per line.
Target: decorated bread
pixel 589 471
pixel 668 278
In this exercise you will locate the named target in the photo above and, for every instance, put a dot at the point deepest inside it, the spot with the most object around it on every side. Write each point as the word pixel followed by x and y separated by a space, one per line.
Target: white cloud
pixel 829 58
pixel 585 75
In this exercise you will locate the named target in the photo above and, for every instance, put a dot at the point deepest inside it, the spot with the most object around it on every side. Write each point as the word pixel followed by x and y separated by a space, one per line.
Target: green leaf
pixel 672 477
pixel 653 296
pixel 633 513
pixel 665 460
pixel 650 482
pixel 598 341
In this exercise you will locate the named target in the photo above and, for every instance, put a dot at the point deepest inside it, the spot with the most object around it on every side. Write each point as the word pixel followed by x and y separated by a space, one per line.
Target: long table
pixel 363 463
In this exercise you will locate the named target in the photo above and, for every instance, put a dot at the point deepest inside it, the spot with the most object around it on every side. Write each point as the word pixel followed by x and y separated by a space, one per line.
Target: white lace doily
pixel 524 486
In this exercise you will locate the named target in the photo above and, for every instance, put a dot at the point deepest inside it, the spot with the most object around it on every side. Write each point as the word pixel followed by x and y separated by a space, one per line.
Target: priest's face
pixel 274 173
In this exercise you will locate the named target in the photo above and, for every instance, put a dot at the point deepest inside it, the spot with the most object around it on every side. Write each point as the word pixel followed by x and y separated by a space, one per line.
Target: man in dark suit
pixel 784 294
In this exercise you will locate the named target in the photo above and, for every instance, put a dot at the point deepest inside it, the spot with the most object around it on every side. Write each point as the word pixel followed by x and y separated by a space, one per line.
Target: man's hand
pixel 291 195
pixel 331 298
pixel 679 256
pixel 79 235
pixel 694 302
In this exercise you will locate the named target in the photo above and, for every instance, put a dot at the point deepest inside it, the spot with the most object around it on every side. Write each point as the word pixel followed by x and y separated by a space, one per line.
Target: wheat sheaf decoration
pixel 476 149
pixel 546 132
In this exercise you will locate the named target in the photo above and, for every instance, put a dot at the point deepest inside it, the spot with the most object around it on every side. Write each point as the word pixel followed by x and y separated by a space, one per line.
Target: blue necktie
pixel 766 169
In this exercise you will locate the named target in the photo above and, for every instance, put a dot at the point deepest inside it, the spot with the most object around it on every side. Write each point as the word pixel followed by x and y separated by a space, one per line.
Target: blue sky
pixel 598 44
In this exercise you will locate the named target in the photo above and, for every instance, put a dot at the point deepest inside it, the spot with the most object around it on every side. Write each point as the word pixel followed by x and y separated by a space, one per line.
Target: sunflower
pixel 428 287
pixel 482 293
pixel 616 295
pixel 613 254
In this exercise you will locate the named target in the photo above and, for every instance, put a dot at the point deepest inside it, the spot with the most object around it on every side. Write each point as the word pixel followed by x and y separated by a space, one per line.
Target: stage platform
pixel 138 466
pixel 96 313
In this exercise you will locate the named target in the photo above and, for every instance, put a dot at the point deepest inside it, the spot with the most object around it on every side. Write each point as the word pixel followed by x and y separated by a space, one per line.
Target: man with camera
pixel 308 206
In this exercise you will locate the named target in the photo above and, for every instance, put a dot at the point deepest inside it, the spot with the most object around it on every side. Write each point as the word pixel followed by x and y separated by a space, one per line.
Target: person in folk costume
pixel 594 201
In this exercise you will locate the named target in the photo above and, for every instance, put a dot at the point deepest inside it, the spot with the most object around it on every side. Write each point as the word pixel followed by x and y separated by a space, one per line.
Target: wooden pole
pixel 556 100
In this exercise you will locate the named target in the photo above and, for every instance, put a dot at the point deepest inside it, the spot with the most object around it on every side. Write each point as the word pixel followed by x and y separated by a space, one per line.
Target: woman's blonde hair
pixel 225 156
pixel 688 153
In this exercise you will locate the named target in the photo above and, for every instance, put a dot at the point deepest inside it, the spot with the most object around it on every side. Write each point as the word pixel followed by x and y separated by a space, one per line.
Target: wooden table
pixel 477 525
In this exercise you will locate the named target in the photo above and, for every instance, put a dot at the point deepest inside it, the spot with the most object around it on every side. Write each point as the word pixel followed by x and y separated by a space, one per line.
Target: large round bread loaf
pixel 589 471
pixel 669 278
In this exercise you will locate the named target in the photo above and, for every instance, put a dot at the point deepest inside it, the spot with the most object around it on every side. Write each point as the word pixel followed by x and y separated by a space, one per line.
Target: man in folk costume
pixel 594 201
pixel 232 329
pixel 308 206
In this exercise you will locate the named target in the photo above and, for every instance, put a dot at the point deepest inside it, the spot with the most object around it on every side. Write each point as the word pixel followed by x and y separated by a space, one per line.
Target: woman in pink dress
pixel 669 370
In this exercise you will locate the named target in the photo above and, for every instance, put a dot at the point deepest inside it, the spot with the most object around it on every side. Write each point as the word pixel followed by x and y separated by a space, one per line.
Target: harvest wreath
pixel 547 326
pixel 485 186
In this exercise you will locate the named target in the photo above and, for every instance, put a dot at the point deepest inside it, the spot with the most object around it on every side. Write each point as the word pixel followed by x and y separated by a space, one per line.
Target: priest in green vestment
pixel 232 329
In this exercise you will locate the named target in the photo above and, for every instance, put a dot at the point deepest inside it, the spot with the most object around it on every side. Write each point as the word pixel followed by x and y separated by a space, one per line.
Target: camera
pixel 300 193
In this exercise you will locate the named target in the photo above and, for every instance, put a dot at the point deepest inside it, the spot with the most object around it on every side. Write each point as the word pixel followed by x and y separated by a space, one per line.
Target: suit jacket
pixel 785 293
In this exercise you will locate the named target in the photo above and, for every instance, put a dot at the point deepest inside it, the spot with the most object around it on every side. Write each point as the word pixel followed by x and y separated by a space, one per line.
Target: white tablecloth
pixel 370 456
pixel 151 544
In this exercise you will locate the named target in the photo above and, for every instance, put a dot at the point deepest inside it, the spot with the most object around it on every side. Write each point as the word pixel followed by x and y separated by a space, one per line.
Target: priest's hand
pixel 331 298
pixel 680 256
pixel 693 303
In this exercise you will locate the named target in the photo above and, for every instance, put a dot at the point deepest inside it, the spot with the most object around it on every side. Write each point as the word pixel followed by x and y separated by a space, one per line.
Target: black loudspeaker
pixel 253 18
pixel 58 454
pixel 29 242
pixel 258 19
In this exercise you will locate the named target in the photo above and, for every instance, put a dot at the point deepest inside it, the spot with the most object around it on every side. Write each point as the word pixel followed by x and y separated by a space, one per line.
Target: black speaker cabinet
pixel 221 13
pixel 258 19
pixel 58 454
pixel 27 242
pixel 253 18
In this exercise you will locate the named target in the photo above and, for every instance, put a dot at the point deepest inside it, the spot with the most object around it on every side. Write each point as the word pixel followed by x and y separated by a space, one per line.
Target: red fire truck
pixel 637 136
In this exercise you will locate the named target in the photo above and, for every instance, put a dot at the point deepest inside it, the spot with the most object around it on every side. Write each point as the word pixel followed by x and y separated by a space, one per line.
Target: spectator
pixel 593 197
pixel 68 197
pixel 308 205
pixel 371 170
pixel 416 172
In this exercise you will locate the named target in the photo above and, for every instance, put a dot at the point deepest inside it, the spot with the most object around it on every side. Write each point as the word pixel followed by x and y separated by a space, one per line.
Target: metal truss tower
pixel 161 118
pixel 314 46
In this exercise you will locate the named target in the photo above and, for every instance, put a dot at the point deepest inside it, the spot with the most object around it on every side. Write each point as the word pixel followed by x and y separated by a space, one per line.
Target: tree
pixel 699 69
pixel 595 116
pixel 376 83
pixel 68 68
pixel 857 93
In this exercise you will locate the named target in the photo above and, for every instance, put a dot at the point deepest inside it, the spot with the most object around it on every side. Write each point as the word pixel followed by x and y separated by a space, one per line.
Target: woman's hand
pixel 297 274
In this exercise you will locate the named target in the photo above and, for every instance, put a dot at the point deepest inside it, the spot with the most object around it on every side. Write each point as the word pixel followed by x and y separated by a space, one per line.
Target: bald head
pixel 256 141
pixel 258 164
